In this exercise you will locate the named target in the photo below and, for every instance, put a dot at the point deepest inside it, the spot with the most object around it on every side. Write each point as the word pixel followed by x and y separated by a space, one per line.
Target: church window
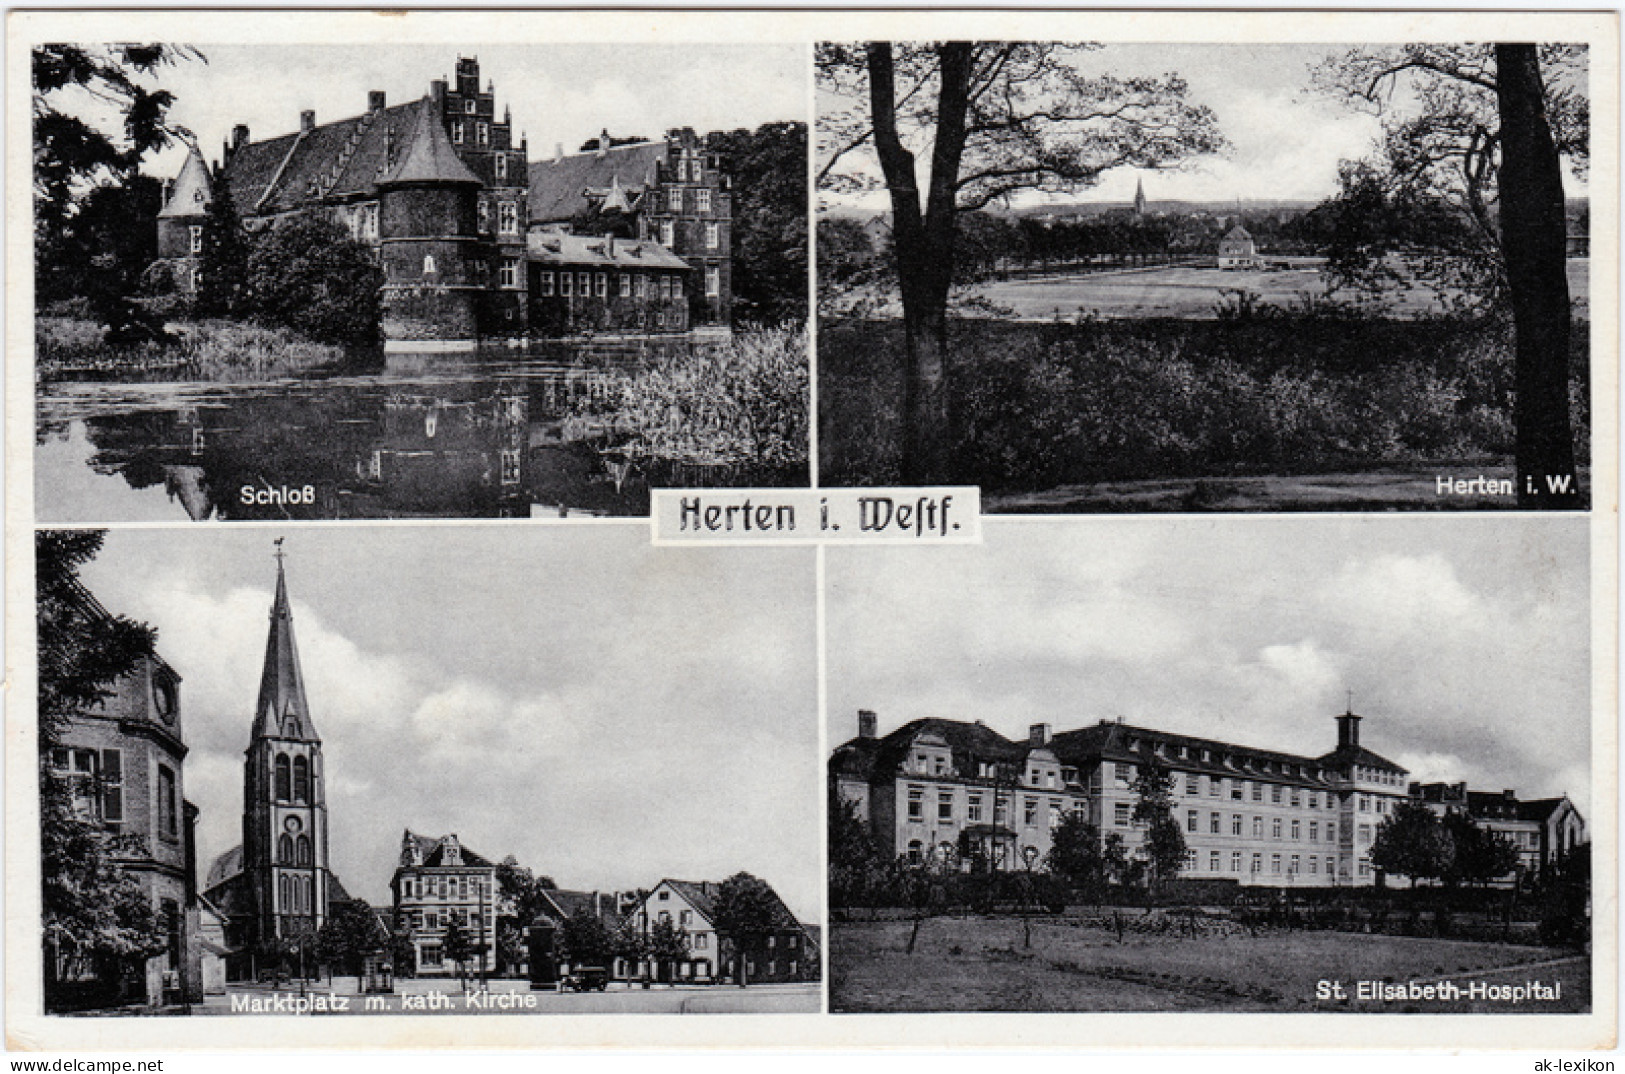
pixel 196 234
pixel 457 132
pixel 284 849
pixel 702 197
pixel 502 167
pixel 428 265
pixel 668 234
pixel 603 285
pixel 284 779
pixel 676 199
pixel 302 853
pixel 508 275
pixel 282 897
pixel 712 236
pixel 482 133
pixel 508 218
pixel 544 281
pixel 626 285
pixel 713 282
pixel 301 779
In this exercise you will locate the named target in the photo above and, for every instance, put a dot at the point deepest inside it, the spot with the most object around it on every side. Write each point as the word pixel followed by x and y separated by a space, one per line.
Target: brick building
pixel 1255 816
pixel 123 768
pixel 476 241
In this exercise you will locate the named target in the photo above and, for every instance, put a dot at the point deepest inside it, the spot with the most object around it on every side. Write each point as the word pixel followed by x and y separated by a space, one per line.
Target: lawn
pixel 1191 292
pixel 1075 964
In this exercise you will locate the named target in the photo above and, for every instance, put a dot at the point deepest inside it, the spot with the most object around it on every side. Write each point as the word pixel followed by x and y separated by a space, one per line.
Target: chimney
pixel 1038 735
pixel 437 93
pixel 375 100
pixel 866 724
pixel 1348 730
pixel 603 142
pixel 239 136
pixel 1509 795
pixel 307 121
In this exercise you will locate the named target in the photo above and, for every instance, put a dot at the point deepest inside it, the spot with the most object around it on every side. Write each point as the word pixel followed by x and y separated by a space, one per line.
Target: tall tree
pixel 1412 842
pixel 310 275
pixel 72 155
pixel 667 946
pixel 1488 128
pixel 1164 847
pixel 1478 854
pixel 1076 853
pixel 223 264
pixel 768 168
pixel 1003 117
pixel 351 932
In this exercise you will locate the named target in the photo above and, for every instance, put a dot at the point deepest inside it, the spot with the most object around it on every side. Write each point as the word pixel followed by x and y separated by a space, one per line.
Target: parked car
pixel 585 979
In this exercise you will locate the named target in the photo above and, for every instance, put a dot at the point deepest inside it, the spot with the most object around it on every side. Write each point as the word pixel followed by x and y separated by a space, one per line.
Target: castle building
pixel 475 240
pixel 1255 816
pixel 275 888
pixel 122 767
pixel 438 885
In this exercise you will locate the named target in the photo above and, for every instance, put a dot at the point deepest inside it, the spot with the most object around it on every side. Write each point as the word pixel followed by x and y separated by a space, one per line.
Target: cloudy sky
pixel 1285 138
pixel 1464 640
pixel 558 93
pixel 607 712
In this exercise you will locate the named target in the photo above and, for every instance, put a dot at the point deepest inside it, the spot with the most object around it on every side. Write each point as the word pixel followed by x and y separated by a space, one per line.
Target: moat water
pixel 397 436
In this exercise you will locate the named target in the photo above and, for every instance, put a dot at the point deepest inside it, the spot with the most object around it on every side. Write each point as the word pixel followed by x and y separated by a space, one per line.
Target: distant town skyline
pixel 1286 139
pixel 608 713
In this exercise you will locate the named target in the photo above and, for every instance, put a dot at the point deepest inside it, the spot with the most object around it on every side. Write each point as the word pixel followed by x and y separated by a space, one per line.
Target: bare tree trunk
pixel 923 238
pixel 1532 235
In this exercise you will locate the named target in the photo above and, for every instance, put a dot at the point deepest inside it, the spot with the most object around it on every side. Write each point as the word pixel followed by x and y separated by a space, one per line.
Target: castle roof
pixel 558 187
pixel 282 711
pixel 429 158
pixel 592 250
pixel 192 192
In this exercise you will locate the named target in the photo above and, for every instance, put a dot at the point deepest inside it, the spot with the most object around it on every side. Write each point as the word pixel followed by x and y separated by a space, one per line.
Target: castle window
pixel 482 133
pixel 502 167
pixel 284 779
pixel 508 218
pixel 566 283
pixel 301 780
pixel 676 198
pixel 428 264
pixel 545 282
pixel 369 220
pixel 457 132
pixel 668 234
pixel 484 216
pixel 508 273
pixel 603 285
pixel 196 233
pixel 626 286
pixel 713 236
pixel 469 106
pixel 702 197
pixel 284 849
pixel 713 282
pixel 302 853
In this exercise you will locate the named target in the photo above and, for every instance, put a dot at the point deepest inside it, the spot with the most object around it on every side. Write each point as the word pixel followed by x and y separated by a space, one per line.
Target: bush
pixel 309 275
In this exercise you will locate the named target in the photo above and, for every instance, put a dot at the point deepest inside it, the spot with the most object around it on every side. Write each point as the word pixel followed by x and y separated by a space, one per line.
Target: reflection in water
pixel 424 438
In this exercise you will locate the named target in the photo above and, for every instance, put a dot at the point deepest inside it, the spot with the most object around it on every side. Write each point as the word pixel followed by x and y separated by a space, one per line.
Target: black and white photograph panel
pixel 1206 277
pixel 560 774
pixel 1203 765
pixel 416 281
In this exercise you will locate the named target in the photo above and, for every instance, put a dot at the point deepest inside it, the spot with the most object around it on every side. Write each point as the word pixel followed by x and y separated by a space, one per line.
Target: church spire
pixel 282 711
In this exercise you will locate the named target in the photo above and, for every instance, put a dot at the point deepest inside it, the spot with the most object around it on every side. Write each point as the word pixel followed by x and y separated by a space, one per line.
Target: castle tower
pixel 284 794
pixel 180 221
pixel 431 249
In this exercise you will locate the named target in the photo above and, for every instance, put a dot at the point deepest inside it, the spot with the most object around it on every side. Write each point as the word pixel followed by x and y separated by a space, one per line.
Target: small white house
pixel 1237 250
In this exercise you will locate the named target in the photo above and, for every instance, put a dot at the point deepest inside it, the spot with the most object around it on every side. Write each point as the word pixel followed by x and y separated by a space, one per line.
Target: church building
pixel 475 240
pixel 275 888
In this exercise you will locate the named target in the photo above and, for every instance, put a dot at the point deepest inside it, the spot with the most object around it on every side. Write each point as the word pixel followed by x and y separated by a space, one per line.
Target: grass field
pixel 1194 293
pixel 980 964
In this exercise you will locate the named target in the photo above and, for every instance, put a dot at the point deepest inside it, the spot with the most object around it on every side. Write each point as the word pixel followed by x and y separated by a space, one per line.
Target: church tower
pixel 284 794
pixel 1139 197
